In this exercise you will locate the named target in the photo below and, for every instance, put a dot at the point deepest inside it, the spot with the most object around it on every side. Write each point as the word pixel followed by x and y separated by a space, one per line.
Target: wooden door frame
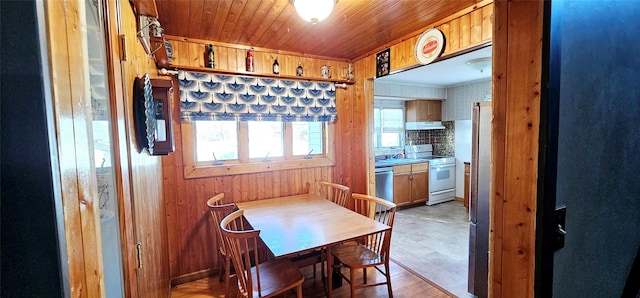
pixel 70 91
pixel 517 77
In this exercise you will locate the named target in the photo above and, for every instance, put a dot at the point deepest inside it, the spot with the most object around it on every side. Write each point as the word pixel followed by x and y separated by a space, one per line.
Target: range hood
pixel 424 125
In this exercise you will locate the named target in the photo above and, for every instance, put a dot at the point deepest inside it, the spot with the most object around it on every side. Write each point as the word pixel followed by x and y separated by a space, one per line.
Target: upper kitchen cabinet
pixel 423 110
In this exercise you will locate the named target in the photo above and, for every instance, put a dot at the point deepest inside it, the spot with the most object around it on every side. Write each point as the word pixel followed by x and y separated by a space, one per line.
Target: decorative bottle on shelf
pixel 324 71
pixel 299 70
pixel 250 60
pixel 350 74
pixel 276 67
pixel 210 57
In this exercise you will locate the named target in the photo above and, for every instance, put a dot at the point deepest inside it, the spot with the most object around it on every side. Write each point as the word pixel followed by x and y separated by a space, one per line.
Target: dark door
pixel 592 147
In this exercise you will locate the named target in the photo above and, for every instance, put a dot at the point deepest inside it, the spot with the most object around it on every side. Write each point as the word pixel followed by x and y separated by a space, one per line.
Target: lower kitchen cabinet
pixel 410 184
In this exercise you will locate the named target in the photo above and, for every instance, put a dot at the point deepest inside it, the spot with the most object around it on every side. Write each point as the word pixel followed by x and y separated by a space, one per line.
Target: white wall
pixel 458 107
pixel 462 152
pixel 407 91
pixel 460 99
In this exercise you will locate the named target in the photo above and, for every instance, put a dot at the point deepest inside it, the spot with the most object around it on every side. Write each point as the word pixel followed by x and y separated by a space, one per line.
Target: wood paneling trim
pixel 144 176
pixel 72 114
pixel 515 132
pixel 121 149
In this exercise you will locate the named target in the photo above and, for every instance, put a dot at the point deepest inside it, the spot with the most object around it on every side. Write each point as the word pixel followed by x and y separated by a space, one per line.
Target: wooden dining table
pixel 296 224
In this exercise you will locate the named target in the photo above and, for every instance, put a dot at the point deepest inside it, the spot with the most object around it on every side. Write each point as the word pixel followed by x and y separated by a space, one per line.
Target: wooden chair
pixel 266 279
pixel 218 212
pixel 370 251
pixel 333 192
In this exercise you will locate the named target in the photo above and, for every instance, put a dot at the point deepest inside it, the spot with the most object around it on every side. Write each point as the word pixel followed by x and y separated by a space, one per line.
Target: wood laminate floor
pixel 404 284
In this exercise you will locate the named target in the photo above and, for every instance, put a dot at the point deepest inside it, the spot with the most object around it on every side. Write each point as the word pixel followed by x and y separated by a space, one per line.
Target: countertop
pixel 398 162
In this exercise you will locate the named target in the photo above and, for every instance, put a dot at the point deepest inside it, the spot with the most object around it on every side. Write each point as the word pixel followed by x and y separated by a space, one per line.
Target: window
pixel 253 146
pixel 216 140
pixel 265 139
pixel 242 124
pixel 388 127
pixel 307 138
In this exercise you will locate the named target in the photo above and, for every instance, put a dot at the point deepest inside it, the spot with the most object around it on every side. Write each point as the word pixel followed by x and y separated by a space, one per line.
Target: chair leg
pixel 352 282
pixel 299 291
pixel 364 275
pixel 221 263
pixel 314 271
pixel 388 276
pixel 323 258
pixel 227 270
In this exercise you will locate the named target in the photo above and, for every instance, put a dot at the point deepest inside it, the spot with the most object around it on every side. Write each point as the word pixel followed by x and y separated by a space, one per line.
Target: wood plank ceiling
pixel 354 29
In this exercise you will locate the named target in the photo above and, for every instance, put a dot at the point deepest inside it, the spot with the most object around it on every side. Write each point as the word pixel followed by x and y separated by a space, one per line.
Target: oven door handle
pixel 443 166
pixel 442 191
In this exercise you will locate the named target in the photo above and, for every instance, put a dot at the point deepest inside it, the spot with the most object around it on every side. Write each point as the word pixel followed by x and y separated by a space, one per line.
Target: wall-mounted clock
pixel 152 115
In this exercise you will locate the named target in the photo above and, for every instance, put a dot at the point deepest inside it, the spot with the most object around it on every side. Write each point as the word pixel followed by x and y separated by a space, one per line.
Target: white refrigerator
pixel 479 199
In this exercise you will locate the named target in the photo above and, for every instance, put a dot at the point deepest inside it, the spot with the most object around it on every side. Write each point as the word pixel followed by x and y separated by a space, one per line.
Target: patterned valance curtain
pixel 205 96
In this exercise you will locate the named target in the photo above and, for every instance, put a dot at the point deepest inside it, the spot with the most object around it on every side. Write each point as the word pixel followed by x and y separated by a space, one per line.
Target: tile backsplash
pixel 443 140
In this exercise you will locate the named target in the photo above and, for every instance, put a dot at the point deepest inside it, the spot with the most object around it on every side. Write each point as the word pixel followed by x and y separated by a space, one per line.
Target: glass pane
pixel 390 139
pixel 377 119
pixel 265 139
pixel 216 140
pixel 102 135
pixel 376 127
pixel 307 138
pixel 388 127
pixel 392 120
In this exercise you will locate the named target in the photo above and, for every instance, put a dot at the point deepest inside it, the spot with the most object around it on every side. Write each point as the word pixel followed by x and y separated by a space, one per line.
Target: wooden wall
pixel 517 78
pixel 145 202
pixel 192 247
pixel 72 114
pixel 138 175
pixel 463 30
pixel 229 57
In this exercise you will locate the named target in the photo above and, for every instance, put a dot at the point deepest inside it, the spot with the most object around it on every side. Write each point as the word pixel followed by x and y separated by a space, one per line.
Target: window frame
pixel 377 135
pixel 244 165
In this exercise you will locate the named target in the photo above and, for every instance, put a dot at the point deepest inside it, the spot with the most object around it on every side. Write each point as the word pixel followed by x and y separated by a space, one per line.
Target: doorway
pixel 433 241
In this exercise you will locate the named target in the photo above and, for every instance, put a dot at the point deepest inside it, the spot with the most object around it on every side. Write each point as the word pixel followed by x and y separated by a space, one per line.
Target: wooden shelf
pixel 146 7
pixel 255 74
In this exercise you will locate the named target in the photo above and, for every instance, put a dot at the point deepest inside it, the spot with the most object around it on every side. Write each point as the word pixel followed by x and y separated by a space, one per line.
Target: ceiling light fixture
pixel 480 64
pixel 313 10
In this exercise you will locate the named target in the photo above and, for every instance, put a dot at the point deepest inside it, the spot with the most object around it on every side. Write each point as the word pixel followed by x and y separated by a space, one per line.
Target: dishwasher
pixel 384 183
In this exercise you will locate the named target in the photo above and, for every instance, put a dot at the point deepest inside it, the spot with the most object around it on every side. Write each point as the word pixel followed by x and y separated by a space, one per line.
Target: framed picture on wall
pixel 382 63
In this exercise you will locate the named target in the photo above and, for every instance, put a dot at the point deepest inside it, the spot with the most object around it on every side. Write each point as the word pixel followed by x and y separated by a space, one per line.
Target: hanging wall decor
pixel 382 63
pixel 152 115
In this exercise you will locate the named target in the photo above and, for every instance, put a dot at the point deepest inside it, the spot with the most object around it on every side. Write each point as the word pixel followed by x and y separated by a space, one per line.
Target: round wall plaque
pixel 430 45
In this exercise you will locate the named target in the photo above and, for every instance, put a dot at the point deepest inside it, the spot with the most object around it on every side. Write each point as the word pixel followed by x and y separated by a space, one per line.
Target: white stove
pixel 442 173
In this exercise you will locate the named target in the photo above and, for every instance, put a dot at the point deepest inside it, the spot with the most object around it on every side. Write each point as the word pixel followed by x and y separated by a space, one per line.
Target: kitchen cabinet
pixel 467 178
pixel 423 110
pixel 410 184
